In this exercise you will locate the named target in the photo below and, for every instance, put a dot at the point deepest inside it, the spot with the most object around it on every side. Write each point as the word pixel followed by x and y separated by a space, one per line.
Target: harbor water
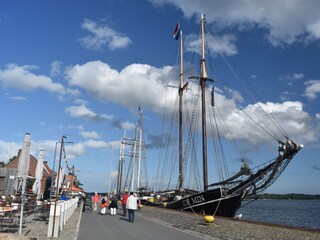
pixel 296 213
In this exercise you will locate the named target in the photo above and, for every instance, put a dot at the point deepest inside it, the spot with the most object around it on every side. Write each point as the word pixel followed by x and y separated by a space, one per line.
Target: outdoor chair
pixel 42 213
pixel 8 221
pixel 29 211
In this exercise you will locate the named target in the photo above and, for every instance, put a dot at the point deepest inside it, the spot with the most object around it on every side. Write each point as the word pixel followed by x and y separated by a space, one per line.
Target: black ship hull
pixel 210 202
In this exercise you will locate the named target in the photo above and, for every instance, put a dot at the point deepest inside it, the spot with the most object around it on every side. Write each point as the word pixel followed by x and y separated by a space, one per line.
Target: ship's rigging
pixel 195 120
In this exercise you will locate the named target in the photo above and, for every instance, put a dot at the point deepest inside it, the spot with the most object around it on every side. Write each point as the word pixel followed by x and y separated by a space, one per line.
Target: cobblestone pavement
pixel 225 228
pixel 37 229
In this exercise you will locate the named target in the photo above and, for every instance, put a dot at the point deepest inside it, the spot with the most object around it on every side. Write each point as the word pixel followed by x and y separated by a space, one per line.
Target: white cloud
pixel 98 144
pixel 92 134
pixel 82 111
pixel 297 76
pixel 102 36
pixel 9 149
pixel 79 127
pixel 22 78
pixel 73 92
pixel 80 148
pixel 127 125
pixel 312 89
pixel 18 98
pixel 286 21
pixel 314 30
pixel 106 116
pixel 139 84
pixel 216 44
pixel 42 123
pixel 268 116
pixel 286 95
pixel 135 85
pixel 291 79
pixel 120 124
pixel 55 68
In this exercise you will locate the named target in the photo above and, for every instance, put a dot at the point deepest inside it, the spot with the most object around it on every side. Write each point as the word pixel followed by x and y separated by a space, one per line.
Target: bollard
pixel 66 213
pixel 62 210
pixel 54 234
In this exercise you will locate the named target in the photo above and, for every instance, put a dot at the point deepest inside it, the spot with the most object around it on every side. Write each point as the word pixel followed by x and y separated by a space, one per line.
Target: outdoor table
pixel 6 209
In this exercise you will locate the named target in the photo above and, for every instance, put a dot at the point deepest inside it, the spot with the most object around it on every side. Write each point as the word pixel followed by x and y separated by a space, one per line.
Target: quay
pixel 160 223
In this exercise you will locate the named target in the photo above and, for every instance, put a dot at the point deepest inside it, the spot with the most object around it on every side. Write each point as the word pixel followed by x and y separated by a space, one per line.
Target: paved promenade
pixel 96 226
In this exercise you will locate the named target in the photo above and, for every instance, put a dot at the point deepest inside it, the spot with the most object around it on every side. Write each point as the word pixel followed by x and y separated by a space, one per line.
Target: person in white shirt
pixel 132 206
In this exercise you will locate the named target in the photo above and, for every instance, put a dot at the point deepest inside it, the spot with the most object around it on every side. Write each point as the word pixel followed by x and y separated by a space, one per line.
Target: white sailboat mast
pixel 134 158
pixel 121 159
pixel 140 145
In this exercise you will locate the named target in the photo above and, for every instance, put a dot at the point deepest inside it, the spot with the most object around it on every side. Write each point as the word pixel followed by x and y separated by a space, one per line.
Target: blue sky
pixel 82 68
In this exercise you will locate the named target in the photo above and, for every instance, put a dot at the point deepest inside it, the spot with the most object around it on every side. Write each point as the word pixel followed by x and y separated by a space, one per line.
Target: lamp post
pixel 57 181
pixel 54 160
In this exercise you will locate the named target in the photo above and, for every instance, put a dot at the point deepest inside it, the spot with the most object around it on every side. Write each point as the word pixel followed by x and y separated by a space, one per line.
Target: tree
pixel 2 164
pixel 12 158
pixel 77 182
pixel 30 182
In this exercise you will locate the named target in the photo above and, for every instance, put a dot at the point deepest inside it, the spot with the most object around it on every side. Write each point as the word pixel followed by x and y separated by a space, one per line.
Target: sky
pixel 81 69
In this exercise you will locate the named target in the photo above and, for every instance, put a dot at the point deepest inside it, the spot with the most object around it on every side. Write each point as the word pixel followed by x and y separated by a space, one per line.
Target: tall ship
pixel 190 190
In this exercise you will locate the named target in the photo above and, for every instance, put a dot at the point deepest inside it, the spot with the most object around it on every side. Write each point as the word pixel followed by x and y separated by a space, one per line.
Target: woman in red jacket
pixel 95 201
pixel 124 203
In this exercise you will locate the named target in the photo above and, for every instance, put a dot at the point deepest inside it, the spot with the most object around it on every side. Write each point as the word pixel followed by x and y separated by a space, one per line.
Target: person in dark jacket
pixel 46 194
pixel 113 206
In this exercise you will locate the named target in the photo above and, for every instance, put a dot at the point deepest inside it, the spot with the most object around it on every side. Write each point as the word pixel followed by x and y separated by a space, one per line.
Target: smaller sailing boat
pixel 224 197
pixel 129 175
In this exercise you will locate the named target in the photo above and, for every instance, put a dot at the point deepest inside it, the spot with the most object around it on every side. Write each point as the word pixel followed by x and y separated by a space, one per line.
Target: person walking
pixel 132 206
pixel 113 206
pixel 104 204
pixel 95 201
pixel 124 203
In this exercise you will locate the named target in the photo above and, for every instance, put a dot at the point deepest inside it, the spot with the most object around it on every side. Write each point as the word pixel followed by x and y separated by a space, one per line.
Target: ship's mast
pixel 121 159
pixel 140 146
pixel 181 88
pixel 203 79
pixel 134 159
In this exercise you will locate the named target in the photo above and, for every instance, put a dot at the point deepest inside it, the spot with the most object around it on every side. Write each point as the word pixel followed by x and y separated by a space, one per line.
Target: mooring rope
pixel 203 212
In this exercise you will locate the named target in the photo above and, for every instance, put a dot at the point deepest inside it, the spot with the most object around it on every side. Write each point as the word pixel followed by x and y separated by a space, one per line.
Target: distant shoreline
pixel 290 196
